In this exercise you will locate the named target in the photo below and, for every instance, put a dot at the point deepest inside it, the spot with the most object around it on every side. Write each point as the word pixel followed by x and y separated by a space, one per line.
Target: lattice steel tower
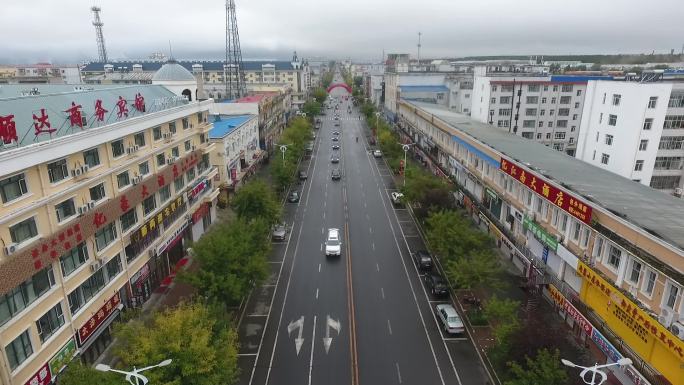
pixel 233 69
pixel 101 50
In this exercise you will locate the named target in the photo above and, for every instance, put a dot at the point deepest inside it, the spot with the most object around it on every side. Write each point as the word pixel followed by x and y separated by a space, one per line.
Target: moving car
pixel 335 132
pixel 335 146
pixel 293 197
pixel 333 246
pixel 302 175
pixel 279 232
pixel 337 123
pixel 334 159
pixel 436 284
pixel 396 197
pixel 423 260
pixel 377 153
pixel 336 174
pixel 450 320
pixel 335 139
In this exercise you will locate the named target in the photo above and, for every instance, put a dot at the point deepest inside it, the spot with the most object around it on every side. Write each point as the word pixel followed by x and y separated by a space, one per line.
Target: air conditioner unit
pixel 167 135
pixel 85 169
pixel 82 209
pixel 130 150
pixel 76 172
pixel 10 249
pixel 171 160
pixel 678 192
pixel 136 147
pixel 193 147
pixel 677 329
pixel 666 317
pixel 632 289
pixel 95 266
pixel 136 179
pixel 90 205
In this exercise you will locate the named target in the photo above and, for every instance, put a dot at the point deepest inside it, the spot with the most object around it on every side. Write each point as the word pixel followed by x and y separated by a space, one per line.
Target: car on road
pixel 451 321
pixel 335 146
pixel 302 175
pixel 279 232
pixel 336 174
pixel 334 159
pixel 337 123
pixel 337 117
pixel 333 246
pixel 397 197
pixel 423 259
pixel 310 147
pixel 377 153
pixel 335 132
pixel 436 285
pixel 335 139
pixel 293 197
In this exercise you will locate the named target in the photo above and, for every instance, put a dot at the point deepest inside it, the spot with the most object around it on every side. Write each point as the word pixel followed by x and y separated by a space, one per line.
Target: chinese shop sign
pixel 87 330
pixel 547 239
pixel 63 357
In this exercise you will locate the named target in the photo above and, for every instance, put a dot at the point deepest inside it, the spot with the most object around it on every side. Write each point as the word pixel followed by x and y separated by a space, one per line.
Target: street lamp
pixel 405 147
pixel 133 377
pixel 594 370
pixel 377 115
pixel 283 148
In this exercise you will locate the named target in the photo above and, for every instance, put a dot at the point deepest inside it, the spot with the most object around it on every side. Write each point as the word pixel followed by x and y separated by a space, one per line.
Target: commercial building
pixel 101 191
pixel 609 252
pixel 635 130
pixel 237 143
pixel 40 73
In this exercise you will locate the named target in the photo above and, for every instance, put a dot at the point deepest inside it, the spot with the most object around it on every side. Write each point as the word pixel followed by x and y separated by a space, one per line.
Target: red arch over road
pixel 335 85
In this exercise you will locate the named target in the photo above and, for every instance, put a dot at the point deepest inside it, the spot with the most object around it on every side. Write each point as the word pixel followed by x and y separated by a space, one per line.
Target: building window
pixel 559 135
pixel 188 145
pixel 529 123
pixel 105 236
pixel 528 135
pixel 671 296
pixel 614 256
pixel 157 133
pixel 118 148
pixel 652 101
pixel 172 128
pixel 539 135
pixel 25 294
pixel 609 140
pixel 563 222
pixel 186 123
pixel 504 112
pixel 174 152
pixel 673 122
pixel 533 88
pixel 91 157
pixel 550 124
pixel 23 230
pixel 13 187
pixel 563 112
pixel 57 170
pixel 639 165
pixel 566 88
pixel 541 124
pixel 612 120
pixel 553 100
pixel 505 100
pixel 50 322
pixel 492 101
pixel 616 99
pixel 561 123
pixel 555 88
pixel 144 168
pixel 113 267
pixel 579 92
pixel 149 204
pixel 577 104
pixel 649 282
pixel 676 101
pixel 574 116
pixel 576 231
pixel 648 123
pixel 665 182
pixel 530 112
pixel 671 143
pixel 73 259
pixel 128 219
pixel 139 139
pixel 668 163
pixel 543 100
pixel 635 271
pixel 65 209
pixel 548 135
pixel 97 192
pixel 191 174
pixel 605 158
pixel 164 194
pixel 643 145
pixel 532 99
pixel 565 99
pixel 542 112
pixel 178 184
pixel 161 160
pixel 122 180
pixel 601 118
pixel 19 350
pixel 551 111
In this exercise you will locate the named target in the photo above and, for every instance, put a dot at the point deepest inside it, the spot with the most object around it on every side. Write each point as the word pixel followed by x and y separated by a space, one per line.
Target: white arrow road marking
pixel 298 324
pixel 330 323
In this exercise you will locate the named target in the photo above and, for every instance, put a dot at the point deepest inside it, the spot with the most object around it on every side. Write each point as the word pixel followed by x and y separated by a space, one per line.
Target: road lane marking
pixel 370 230
pixel 257 315
pixel 389 327
pixel 319 265
pixel 398 372
pixel 351 312
pixel 246 354
pixel 382 292
pixel 316 293
pixel 313 341
pixel 373 245
pixel 275 261
pixel 323 214
pixel 377 267
pixel 454 339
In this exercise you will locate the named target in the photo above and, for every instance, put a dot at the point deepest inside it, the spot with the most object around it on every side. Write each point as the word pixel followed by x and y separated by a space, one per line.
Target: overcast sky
pixel 61 30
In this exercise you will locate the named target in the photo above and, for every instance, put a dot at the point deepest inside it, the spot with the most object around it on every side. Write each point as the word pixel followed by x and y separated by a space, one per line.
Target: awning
pixel 101 329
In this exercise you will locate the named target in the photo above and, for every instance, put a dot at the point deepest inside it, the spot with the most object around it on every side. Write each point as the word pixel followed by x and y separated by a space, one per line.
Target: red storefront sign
pixel 233 173
pixel 197 190
pixel 88 328
pixel 42 377
pixel 564 304
pixel 201 212
pixel 565 201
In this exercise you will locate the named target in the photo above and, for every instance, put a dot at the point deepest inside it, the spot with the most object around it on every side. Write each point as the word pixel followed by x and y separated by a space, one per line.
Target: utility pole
pixel 419 35
pixel 233 69
pixel 101 50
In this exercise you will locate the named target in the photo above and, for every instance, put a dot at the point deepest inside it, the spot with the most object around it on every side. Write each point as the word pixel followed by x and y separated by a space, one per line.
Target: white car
pixel 396 197
pixel 450 320
pixel 333 246
pixel 377 154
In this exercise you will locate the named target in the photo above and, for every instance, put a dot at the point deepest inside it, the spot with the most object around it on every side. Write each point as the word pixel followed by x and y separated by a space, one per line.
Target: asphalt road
pixel 363 317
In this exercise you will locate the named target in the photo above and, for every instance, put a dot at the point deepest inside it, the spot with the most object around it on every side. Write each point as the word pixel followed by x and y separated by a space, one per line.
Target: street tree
pixel 282 172
pixel 545 368
pixel 474 271
pixel 311 108
pixel 319 94
pixel 78 374
pixel 202 349
pixel 231 259
pixel 256 200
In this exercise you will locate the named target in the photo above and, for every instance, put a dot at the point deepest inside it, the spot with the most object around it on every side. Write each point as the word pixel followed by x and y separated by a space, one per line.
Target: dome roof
pixel 172 71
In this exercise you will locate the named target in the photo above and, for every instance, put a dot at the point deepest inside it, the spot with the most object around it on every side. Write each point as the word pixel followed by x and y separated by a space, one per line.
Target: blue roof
pixel 227 124
pixel 571 78
pixel 207 65
pixel 440 88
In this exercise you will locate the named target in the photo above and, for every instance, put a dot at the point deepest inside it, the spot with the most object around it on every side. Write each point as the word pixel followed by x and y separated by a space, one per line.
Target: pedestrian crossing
pixel 348 117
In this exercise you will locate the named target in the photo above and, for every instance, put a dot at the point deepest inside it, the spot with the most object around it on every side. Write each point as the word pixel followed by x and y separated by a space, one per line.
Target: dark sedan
pixel 423 259
pixel 437 285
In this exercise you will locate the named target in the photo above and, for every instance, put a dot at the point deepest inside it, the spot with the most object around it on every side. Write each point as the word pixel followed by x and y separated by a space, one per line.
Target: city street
pixel 363 317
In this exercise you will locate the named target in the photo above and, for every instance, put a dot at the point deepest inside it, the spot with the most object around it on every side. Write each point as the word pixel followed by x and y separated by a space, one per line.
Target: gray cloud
pixel 61 31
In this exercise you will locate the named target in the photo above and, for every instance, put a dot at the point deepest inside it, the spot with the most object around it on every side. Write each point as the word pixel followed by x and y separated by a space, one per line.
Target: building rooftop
pixel 207 65
pixel 659 214
pixel 52 102
pixel 125 76
pixel 225 124
pixel 423 89
pixel 172 71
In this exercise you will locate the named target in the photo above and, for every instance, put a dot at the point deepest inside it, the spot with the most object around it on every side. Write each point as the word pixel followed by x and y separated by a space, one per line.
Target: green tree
pixel 311 108
pixel 320 94
pixel 545 368
pixel 256 200
pixel 476 270
pixel 78 374
pixel 282 172
pixel 231 259
pixel 203 349
pixel 502 310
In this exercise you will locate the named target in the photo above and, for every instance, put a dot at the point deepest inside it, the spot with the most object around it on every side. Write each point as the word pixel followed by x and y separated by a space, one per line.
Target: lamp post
pixel 594 370
pixel 133 377
pixel 377 116
pixel 405 147
pixel 283 149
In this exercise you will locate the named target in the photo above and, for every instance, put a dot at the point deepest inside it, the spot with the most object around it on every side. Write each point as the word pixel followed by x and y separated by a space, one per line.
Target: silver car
pixel 279 232
pixel 333 246
pixel 450 320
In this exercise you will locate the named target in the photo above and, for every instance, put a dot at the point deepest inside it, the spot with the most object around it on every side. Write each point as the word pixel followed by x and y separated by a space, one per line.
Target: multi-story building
pixel 237 142
pixel 40 73
pixel 635 130
pixel 609 252
pixel 544 109
pixel 101 190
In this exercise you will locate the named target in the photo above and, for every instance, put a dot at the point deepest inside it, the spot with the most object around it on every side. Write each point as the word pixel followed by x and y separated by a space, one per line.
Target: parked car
pixel 377 153
pixel 279 232
pixel 333 246
pixel 302 175
pixel 436 284
pixel 397 197
pixel 450 319
pixel 336 174
pixel 423 259
pixel 293 197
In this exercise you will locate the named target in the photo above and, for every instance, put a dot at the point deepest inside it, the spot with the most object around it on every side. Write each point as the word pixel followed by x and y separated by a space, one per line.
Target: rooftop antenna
pixel 101 50
pixel 170 51
pixel 419 35
pixel 233 69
